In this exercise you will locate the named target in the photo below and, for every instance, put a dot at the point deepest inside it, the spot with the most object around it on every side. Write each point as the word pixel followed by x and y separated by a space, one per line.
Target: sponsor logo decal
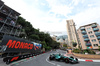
pixel 19 45
pixel 14 58
pixel 36 47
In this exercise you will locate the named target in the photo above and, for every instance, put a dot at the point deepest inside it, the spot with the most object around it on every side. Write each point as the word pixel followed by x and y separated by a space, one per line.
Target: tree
pixel 74 44
pixel 99 48
pixel 21 21
pixel 64 45
pixel 33 36
pixel 42 36
pixel 55 45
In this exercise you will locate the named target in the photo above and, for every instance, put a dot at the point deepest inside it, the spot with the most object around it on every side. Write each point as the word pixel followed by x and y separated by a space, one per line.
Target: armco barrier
pixel 87 56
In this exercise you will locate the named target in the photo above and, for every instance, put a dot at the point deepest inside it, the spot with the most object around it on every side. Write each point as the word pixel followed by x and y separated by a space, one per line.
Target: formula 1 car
pixel 60 57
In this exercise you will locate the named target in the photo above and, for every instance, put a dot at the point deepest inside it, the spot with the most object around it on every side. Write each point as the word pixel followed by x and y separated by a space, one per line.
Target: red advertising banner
pixel 14 44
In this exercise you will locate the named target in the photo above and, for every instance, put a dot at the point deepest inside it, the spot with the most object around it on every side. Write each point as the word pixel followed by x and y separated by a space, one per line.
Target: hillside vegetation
pixel 30 33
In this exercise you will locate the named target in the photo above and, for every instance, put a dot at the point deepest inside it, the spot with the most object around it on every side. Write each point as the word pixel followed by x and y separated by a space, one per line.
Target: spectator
pixel 4 11
pixel 0 19
pixel 8 18
pixel 16 17
pixel 12 22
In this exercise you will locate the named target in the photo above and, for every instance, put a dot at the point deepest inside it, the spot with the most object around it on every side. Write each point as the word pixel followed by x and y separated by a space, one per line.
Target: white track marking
pixel 50 62
pixel 81 60
pixel 92 60
pixel 58 65
pixel 96 60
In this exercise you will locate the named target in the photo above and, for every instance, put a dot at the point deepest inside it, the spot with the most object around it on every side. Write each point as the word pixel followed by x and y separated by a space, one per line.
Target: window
pixel 95 45
pixel 91 36
pixel 99 42
pixel 94 40
pixel 88 28
pixel 90 32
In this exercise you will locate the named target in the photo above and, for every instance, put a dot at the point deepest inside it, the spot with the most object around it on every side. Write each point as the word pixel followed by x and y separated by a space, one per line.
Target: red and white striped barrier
pixel 89 60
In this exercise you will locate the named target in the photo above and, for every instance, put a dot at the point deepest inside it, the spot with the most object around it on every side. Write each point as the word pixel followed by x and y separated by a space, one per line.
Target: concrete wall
pixel 87 56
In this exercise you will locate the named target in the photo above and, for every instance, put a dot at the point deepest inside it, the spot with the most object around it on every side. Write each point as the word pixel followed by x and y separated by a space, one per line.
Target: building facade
pixel 72 33
pixel 89 36
pixel 62 40
pixel 54 37
pixel 8 19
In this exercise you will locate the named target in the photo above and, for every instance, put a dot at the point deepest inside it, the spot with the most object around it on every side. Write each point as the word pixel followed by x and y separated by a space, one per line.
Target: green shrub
pixel 89 51
pixel 48 48
pixel 74 44
pixel 76 51
pixel 99 48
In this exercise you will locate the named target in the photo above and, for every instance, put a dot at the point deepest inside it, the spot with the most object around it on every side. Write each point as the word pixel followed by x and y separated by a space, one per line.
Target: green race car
pixel 60 57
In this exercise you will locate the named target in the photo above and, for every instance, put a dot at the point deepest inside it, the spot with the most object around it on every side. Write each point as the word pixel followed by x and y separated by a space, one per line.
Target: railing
pixel 82 28
pixel 86 39
pixel 85 36
pixel 2 19
pixel 88 44
pixel 98 37
pixel 94 26
pixel 95 29
pixel 97 33
pixel 83 32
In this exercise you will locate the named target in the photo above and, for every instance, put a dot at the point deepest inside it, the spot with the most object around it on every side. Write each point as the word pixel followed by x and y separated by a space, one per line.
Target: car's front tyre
pixel 72 57
pixel 51 58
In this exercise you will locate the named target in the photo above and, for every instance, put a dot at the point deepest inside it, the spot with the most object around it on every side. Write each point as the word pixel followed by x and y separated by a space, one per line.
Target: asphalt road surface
pixel 42 60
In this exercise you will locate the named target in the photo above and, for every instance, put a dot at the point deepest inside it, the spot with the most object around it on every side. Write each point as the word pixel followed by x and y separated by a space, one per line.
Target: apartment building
pixel 89 36
pixel 8 19
pixel 72 33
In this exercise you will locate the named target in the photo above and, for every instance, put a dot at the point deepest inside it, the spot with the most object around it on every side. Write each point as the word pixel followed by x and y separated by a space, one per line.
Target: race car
pixel 60 57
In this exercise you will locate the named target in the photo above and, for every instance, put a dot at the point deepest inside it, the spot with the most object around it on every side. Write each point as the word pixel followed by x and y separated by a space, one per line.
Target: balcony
pixel 83 32
pixel 93 26
pixel 85 36
pixel 86 39
pixel 1 3
pixel 97 33
pixel 2 19
pixel 82 28
pixel 95 29
pixel 98 37
pixel 88 44
pixel 5 10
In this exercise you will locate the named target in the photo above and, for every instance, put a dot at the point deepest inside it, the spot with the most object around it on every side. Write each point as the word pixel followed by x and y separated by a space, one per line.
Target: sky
pixel 51 15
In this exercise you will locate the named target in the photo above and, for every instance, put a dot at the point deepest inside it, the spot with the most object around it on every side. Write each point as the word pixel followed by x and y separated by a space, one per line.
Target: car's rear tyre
pixel 66 60
pixel 71 61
